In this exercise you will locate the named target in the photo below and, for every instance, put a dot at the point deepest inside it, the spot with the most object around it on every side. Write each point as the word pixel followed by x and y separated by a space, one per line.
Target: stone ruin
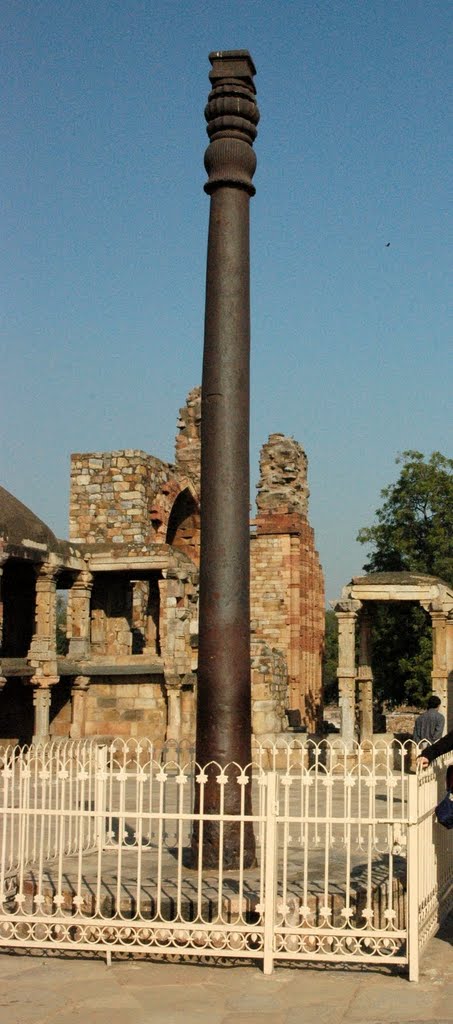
pixel 130 572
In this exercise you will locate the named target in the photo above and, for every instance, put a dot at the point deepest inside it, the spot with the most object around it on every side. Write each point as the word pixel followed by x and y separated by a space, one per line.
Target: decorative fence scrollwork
pixel 95 843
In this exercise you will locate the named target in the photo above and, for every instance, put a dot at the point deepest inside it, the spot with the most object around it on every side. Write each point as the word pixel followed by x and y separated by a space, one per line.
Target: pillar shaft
pixel 224 697
pixel 224 642
pixel 173 688
pixel 79 694
pixel 42 654
pixel 439 674
pixel 346 612
pixel 365 679
pixel 41 705
pixel 79 615
pixel 44 637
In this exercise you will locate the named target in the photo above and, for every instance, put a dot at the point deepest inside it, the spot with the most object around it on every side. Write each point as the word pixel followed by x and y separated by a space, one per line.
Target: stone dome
pixel 20 527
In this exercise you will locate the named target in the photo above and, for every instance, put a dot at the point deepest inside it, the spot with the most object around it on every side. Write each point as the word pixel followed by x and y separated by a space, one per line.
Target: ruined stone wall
pixel 270 589
pixel 111 616
pixel 118 706
pixel 188 439
pixel 287 587
pixel 282 487
pixel 269 691
pixel 130 499
pixel 179 621
pixel 112 496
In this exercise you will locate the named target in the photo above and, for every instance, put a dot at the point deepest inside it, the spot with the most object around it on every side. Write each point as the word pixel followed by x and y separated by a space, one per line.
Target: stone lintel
pixel 71 667
pixel 16 667
pixel 129 562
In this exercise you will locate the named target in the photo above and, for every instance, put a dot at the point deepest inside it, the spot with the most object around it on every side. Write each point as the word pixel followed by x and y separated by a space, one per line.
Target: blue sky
pixel 104 230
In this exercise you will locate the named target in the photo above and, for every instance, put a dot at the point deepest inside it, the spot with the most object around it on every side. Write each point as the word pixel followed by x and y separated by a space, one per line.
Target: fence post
pixel 100 808
pixel 270 872
pixel 413 945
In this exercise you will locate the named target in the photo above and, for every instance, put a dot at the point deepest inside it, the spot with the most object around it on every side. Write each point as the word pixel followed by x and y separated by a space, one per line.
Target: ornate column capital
pixel 173 681
pixel 81 683
pixel 47 572
pixel 347 606
pixel 83 580
pixel 232 115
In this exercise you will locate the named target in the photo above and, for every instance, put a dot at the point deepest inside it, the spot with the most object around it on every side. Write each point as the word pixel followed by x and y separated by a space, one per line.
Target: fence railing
pixel 96 852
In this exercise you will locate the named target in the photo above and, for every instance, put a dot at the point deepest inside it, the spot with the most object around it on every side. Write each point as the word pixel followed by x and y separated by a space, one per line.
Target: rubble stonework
pixel 111 497
pixel 287 584
pixel 270 691
pixel 283 477
pixel 130 572
pixel 188 441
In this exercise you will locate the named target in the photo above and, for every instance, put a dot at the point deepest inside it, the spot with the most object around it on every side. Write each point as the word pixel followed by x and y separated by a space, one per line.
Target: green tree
pixel 330 659
pixel 413 532
pixel 62 640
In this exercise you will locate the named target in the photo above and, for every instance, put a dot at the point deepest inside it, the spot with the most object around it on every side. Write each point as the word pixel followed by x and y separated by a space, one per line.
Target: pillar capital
pixel 43 682
pixel 232 116
pixel 47 572
pixel 81 683
pixel 347 606
pixel 83 580
pixel 173 681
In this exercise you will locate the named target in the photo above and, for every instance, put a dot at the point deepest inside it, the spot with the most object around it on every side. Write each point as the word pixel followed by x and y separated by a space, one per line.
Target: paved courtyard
pixel 52 990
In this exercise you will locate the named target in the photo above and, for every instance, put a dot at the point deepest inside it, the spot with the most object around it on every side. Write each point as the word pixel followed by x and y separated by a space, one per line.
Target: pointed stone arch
pixel 183 526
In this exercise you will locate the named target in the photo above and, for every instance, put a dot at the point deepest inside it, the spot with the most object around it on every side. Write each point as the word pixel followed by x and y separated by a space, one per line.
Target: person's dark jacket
pixel 442 746
pixel 429 726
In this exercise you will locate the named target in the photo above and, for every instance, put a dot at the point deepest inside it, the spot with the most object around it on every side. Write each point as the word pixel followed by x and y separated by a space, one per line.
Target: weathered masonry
pixel 130 573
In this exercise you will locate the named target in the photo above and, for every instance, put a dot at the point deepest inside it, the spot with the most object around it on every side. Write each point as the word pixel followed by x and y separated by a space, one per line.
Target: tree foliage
pixel 330 659
pixel 413 532
pixel 62 640
pixel 414 526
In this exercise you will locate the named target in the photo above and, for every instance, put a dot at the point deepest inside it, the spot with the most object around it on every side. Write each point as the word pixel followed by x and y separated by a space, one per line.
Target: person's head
pixel 433 701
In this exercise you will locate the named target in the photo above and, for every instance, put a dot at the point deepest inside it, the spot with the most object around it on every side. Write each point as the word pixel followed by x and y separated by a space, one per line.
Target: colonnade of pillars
pixel 42 654
pixel 355 678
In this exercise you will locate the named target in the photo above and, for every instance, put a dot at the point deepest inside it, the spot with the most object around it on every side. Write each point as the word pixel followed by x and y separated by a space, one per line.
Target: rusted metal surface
pixel 224 703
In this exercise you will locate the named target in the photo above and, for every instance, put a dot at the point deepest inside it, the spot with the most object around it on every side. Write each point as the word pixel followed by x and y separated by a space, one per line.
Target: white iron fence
pixel 95 853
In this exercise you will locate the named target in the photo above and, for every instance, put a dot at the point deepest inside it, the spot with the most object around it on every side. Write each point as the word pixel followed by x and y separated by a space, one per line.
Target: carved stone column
pixel 346 613
pixel 79 692
pixel 365 678
pixel 41 705
pixel 439 674
pixel 173 685
pixel 188 697
pixel 42 655
pixel 79 615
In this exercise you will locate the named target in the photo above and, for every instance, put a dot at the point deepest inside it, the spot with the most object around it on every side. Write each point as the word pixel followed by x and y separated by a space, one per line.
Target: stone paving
pixel 37 989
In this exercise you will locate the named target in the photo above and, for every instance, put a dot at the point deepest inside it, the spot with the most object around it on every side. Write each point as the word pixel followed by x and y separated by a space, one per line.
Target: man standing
pixel 430 725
